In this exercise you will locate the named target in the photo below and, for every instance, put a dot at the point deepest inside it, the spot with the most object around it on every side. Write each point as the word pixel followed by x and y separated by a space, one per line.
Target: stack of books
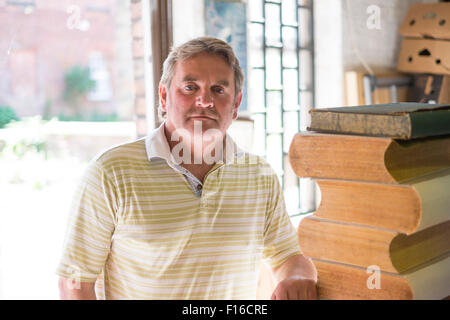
pixel 382 229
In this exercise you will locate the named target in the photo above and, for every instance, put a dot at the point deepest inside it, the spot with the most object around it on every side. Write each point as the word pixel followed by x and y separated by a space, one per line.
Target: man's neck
pixel 199 161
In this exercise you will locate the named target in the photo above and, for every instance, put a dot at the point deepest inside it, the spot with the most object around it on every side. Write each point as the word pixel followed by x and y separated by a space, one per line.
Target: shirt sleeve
pixel 90 226
pixel 280 237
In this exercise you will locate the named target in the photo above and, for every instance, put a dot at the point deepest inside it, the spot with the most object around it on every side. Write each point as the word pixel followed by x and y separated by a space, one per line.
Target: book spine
pixel 370 204
pixel 395 126
pixel 340 157
pixel 431 123
pixel 346 243
pixel 343 282
pixel 364 246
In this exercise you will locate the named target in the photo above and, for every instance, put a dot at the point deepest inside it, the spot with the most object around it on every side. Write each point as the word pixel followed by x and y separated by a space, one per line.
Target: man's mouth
pixel 201 117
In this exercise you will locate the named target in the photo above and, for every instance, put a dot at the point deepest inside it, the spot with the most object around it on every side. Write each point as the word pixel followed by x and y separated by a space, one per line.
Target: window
pixel 281 83
pixel 100 74
pixel 51 53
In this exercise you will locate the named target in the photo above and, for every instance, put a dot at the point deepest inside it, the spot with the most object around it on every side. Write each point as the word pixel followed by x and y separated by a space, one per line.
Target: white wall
pixel 188 20
pixel 379 47
pixel 341 30
pixel 328 42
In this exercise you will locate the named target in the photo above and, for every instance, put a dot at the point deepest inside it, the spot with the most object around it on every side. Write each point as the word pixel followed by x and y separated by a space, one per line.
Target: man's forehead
pixel 184 72
pixel 205 55
pixel 201 58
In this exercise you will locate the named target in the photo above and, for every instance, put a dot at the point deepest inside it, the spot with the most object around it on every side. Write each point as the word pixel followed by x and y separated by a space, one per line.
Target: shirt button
pixel 199 187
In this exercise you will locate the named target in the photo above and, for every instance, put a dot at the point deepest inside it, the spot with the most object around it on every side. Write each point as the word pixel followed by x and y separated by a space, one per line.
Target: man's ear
pixel 163 97
pixel 237 104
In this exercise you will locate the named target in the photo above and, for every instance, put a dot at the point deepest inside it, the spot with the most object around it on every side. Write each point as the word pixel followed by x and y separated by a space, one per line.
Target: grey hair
pixel 189 50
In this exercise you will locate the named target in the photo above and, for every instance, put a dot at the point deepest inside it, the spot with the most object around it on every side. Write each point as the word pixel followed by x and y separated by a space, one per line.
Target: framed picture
pixel 226 20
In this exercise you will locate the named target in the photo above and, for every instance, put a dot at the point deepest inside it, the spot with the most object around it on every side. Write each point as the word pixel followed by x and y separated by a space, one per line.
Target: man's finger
pixel 280 294
pixel 293 294
pixel 314 292
pixel 311 292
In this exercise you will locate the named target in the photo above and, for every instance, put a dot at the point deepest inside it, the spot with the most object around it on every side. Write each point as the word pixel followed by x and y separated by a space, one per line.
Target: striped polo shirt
pixel 138 228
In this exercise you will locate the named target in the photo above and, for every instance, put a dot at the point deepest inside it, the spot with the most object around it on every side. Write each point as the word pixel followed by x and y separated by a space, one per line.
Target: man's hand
pixel 297 278
pixel 295 288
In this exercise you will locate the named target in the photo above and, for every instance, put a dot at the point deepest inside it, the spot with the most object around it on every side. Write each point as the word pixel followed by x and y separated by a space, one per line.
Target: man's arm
pixel 70 289
pixel 296 279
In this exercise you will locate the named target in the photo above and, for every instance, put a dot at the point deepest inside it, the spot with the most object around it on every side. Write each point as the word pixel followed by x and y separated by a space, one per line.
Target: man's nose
pixel 204 99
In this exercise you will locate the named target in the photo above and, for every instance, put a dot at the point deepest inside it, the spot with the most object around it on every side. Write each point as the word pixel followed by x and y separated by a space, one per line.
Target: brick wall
pixel 139 67
pixel 45 32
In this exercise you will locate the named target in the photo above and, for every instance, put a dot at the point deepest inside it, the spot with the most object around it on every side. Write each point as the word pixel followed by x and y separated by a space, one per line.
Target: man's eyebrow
pixel 189 78
pixel 224 83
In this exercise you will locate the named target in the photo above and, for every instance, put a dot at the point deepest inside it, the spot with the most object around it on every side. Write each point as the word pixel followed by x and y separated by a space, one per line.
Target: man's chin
pixel 207 130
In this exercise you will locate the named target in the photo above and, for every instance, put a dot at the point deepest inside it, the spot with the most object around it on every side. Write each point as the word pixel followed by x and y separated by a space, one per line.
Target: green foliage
pixel 78 82
pixel 2 146
pixel 24 138
pixel 47 110
pixel 97 117
pixel 21 148
pixel 7 114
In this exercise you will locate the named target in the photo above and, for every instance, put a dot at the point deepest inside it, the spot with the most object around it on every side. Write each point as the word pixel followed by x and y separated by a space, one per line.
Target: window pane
pixel 273 24
pixel 290 38
pixel 255 10
pixel 304 18
pixel 304 2
pixel 305 69
pixel 289 47
pixel 306 105
pixel 273 61
pixel 289 8
pixel 274 157
pixel 290 128
pixel 306 99
pixel 273 111
pixel 256 90
pixel 259 137
pixel 290 89
pixel 256 49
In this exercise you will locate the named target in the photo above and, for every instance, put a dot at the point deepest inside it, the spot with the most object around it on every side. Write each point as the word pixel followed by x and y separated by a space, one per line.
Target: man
pixel 183 213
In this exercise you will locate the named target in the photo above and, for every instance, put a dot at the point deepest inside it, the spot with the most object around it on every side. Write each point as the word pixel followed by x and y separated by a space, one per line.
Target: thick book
pixel 343 282
pixel 376 159
pixel 411 207
pixel 395 120
pixel 364 246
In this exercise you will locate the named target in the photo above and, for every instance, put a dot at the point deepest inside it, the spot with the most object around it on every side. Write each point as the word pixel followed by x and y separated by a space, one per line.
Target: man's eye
pixel 189 87
pixel 219 90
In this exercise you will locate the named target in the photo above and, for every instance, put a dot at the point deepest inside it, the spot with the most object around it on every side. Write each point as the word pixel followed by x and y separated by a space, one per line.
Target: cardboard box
pixel 427 20
pixel 424 56
pixel 431 89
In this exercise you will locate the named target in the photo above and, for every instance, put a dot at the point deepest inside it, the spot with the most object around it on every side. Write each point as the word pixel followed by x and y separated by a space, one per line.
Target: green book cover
pixel 395 120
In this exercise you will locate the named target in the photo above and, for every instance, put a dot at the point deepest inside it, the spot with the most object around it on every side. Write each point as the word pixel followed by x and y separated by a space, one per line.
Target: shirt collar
pixel 156 146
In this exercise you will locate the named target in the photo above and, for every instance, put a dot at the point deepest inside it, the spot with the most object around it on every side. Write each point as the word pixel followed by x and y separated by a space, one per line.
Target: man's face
pixel 202 90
